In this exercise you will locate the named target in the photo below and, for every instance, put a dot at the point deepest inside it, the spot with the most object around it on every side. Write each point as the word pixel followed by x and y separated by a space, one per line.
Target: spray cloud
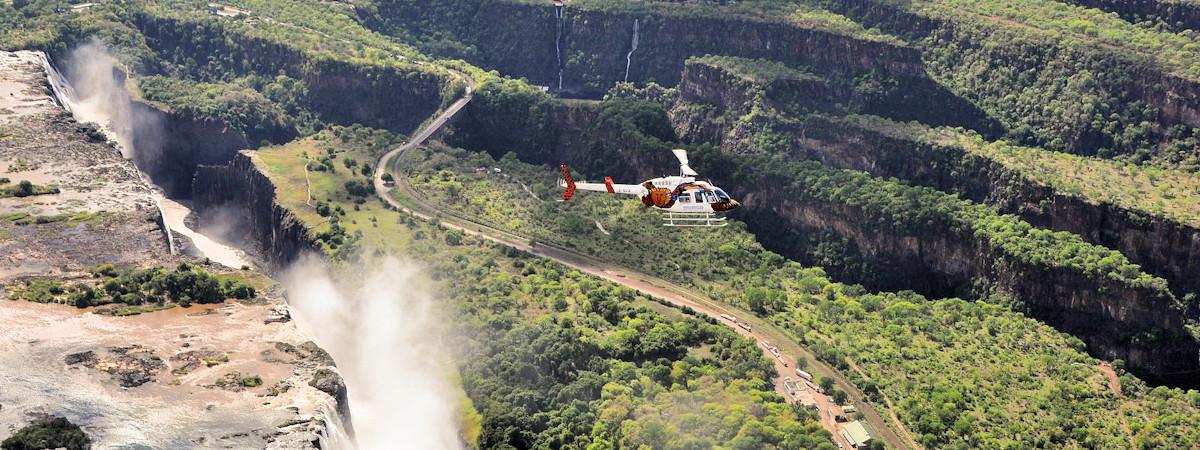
pixel 99 95
pixel 385 334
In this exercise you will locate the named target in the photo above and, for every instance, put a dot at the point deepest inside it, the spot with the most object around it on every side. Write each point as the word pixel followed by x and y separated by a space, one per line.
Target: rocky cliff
pixel 1034 81
pixel 396 97
pixel 927 248
pixel 1163 246
pixel 171 149
pixel 239 186
pixel 1141 326
pixel 521 39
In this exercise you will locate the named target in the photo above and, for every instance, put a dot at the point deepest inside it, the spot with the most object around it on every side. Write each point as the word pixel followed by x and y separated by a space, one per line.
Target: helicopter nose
pixel 732 205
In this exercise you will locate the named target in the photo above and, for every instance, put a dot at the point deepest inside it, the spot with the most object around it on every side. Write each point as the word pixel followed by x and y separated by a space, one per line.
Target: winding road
pixel 763 332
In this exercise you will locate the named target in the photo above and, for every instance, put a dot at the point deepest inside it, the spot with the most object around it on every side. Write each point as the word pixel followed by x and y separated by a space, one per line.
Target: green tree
pixel 54 433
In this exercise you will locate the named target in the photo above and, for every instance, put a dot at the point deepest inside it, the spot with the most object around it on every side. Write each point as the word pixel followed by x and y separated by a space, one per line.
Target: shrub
pixel 54 433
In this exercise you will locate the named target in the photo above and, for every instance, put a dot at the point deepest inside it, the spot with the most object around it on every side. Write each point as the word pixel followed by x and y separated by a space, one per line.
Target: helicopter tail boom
pixel 607 186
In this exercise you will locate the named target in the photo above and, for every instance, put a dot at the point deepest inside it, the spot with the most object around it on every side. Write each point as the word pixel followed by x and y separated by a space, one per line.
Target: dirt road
pixel 410 201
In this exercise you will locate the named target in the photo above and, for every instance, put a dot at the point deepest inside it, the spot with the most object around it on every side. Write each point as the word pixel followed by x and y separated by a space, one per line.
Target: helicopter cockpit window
pixel 709 197
pixel 722 195
pixel 699 197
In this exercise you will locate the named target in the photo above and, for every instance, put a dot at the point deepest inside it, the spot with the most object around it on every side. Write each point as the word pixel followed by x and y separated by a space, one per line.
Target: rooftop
pixel 856 433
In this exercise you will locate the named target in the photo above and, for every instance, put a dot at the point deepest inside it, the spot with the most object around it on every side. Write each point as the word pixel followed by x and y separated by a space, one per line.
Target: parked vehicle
pixel 804 375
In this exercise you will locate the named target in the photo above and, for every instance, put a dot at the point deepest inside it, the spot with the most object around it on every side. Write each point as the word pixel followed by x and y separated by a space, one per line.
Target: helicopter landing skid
pixel 699 219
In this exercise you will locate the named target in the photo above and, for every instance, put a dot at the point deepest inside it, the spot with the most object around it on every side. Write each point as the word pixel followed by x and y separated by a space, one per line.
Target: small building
pixel 856 434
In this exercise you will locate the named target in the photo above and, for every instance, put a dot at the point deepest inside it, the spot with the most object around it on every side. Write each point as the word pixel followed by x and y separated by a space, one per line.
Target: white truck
pixel 804 375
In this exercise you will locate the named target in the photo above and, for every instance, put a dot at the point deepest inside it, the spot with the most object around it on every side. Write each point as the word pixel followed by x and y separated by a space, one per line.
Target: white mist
pixel 386 336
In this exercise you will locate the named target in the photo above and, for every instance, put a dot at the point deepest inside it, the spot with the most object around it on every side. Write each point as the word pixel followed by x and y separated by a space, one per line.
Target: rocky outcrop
pixel 278 235
pixel 130 366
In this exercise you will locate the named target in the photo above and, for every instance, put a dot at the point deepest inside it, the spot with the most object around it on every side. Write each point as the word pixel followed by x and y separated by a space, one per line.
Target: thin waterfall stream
pixel 558 14
pixel 632 48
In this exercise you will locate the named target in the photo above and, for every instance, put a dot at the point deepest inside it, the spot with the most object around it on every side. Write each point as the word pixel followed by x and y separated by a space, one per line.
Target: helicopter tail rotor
pixel 567 182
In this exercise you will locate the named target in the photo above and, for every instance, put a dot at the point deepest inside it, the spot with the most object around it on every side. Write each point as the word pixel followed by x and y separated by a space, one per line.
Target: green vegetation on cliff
pixel 552 358
pixel 1058 76
pixel 1012 376
pixel 1158 192
pixel 242 109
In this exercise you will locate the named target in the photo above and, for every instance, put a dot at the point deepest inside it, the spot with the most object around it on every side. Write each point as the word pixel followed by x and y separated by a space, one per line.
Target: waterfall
pixel 558 14
pixel 632 48
pixel 336 436
pixel 61 90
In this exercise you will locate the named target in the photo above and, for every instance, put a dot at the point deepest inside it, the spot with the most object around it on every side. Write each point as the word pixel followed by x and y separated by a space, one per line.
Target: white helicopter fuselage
pixel 684 200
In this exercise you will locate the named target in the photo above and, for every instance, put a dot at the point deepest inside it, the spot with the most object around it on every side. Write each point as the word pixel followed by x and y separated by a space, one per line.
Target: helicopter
pixel 684 201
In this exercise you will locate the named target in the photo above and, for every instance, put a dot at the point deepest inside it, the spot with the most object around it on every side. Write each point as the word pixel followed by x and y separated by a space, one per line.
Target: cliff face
pixel 1138 325
pixel 279 236
pixel 389 97
pixel 1117 320
pixel 901 99
pixel 1162 246
pixel 170 151
pixel 524 40
pixel 518 39
pixel 1053 72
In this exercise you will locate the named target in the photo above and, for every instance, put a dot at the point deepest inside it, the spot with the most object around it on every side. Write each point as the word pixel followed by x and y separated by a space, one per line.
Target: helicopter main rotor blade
pixel 684 168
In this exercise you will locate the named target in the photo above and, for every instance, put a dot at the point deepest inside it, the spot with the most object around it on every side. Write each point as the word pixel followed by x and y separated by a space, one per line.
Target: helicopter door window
pixel 709 197
pixel 685 198
pixel 699 197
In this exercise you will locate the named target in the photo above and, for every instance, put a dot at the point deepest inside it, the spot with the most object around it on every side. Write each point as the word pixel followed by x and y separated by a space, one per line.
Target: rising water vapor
pixel 99 95
pixel 385 334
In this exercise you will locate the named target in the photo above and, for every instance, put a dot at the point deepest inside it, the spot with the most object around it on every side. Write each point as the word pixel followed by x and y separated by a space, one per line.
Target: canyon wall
pixel 278 235
pixel 1138 325
pixel 1141 324
pixel 1028 69
pixel 392 97
pixel 1162 246
pixel 170 154
pixel 519 40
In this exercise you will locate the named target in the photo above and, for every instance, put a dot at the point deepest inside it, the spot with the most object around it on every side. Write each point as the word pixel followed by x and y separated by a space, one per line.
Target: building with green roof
pixel 856 434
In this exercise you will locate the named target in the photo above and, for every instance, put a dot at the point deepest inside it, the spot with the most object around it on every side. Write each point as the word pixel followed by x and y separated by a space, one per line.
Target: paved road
pixel 643 283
